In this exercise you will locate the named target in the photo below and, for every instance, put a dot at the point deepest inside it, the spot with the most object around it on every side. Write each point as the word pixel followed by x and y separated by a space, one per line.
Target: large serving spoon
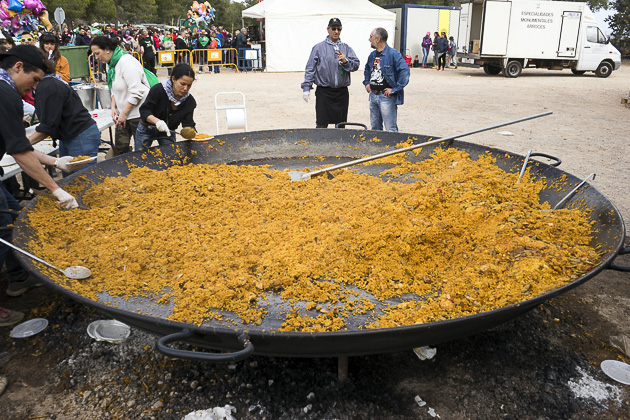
pixel 76 272
pixel 303 176
pixel 188 133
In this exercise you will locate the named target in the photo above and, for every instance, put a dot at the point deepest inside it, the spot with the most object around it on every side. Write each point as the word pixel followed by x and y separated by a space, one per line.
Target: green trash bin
pixel 78 59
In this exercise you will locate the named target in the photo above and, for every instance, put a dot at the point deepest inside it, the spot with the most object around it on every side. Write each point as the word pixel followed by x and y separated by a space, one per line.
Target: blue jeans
pixel 15 271
pixel 145 135
pixel 425 54
pixel 84 144
pixel 383 109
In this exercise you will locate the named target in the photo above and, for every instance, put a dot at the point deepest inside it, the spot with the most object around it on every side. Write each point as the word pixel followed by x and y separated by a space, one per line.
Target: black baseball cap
pixel 27 53
pixel 334 22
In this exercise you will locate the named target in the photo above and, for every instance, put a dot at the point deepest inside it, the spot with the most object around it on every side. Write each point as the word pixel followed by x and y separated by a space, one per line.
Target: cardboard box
pixel 475 46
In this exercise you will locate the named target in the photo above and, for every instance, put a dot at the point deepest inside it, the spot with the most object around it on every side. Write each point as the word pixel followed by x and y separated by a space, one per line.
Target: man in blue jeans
pixel 386 74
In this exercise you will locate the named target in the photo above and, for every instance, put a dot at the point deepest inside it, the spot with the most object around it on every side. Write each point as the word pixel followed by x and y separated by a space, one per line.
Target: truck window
pixel 593 34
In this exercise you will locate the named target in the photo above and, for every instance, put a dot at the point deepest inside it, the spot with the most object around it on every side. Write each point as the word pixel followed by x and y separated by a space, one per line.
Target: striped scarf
pixel 5 77
pixel 168 87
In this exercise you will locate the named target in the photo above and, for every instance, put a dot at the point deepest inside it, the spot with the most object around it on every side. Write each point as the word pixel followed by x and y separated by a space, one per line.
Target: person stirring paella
pixel 168 105
pixel 21 68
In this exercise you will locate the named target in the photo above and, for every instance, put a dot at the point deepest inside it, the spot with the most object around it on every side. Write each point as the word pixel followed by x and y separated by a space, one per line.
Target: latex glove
pixel 62 163
pixel 306 95
pixel 65 200
pixel 161 126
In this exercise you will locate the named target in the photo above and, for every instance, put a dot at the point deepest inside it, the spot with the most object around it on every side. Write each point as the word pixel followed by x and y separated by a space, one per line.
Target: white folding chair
pixel 235 113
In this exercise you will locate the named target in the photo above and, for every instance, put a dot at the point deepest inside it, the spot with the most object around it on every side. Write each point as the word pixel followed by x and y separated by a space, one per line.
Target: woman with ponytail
pixel 129 86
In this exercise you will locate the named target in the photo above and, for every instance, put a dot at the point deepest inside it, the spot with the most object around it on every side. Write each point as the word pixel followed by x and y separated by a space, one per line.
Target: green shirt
pixel 203 41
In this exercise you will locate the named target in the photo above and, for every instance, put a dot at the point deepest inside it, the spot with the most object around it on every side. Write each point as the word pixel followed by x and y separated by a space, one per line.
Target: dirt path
pixel 542 365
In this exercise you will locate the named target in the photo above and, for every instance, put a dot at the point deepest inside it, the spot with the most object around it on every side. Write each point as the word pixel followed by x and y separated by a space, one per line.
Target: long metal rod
pixel 406 149
pixel 520 175
pixel 573 191
pixel 9 244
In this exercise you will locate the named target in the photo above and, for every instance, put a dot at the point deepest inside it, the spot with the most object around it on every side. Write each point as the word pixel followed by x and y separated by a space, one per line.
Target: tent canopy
pixel 293 27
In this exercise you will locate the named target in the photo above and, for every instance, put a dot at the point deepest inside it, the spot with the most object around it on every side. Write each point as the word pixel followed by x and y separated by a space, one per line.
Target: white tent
pixel 293 27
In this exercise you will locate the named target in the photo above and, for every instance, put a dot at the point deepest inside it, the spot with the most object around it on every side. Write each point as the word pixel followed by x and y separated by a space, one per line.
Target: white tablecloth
pixel 102 117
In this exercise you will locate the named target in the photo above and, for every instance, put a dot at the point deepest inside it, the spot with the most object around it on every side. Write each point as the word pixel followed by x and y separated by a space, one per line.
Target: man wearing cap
pixel 21 68
pixel 329 67
pixel 385 76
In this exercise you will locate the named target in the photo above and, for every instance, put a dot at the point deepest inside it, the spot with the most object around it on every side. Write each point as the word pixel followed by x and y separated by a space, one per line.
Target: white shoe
pixel 3 383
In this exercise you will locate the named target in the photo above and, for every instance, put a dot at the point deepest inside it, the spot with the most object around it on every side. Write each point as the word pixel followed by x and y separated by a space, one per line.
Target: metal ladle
pixel 76 272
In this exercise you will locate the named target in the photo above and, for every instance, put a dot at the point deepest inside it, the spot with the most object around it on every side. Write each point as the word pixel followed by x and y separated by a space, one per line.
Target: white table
pixel 103 119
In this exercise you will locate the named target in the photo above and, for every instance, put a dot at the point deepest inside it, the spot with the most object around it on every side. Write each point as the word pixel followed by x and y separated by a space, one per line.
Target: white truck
pixel 507 36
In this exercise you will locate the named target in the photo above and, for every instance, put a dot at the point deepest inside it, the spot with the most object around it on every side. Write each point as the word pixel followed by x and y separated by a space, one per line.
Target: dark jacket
pixel 395 71
pixel 180 44
pixel 60 110
pixel 241 41
pixel 12 134
pixel 158 105
pixel 442 45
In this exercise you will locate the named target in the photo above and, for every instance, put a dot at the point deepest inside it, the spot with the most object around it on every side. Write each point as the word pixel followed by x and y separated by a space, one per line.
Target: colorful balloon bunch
pixel 23 15
pixel 200 13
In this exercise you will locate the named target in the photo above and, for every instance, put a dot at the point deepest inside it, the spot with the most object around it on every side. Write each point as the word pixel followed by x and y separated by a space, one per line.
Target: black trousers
pixel 331 105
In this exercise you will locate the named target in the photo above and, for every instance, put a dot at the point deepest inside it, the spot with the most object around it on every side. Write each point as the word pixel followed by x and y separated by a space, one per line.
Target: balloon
pixel 44 18
pixel 35 6
pixel 16 6
pixel 4 14
pixel 15 22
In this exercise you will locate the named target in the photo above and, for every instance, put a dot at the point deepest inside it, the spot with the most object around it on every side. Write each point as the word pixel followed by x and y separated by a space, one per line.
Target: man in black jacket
pixel 240 44
pixel 182 45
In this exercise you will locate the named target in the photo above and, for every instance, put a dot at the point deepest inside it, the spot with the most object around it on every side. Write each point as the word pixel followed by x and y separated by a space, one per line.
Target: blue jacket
pixel 394 68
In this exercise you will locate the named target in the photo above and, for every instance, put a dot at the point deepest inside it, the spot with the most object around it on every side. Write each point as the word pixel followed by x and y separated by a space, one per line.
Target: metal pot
pixel 104 96
pixel 87 93
pixel 287 149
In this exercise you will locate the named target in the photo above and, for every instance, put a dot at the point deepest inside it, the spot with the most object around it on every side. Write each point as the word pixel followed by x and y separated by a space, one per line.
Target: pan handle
pixel 555 164
pixel 162 347
pixel 344 124
pixel 618 267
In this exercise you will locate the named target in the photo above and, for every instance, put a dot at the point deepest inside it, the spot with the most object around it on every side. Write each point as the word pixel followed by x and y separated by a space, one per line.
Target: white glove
pixel 161 126
pixel 306 95
pixel 62 163
pixel 65 200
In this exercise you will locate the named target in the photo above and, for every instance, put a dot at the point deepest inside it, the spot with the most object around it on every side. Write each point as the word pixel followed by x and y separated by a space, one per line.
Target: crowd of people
pixel 442 48
pixel 145 42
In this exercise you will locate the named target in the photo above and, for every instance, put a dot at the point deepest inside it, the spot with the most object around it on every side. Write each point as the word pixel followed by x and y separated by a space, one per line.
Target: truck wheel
pixel 491 70
pixel 604 69
pixel 513 69
pixel 578 72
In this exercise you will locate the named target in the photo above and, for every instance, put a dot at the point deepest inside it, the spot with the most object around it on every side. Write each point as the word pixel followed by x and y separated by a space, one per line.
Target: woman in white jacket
pixel 128 84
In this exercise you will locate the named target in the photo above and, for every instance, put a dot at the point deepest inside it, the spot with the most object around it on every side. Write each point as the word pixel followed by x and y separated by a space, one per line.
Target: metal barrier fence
pixel 213 59
pixel 166 59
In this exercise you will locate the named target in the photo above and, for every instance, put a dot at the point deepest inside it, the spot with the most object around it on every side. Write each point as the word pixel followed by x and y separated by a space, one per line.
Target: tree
pixel 100 11
pixel 168 11
pixel 620 25
pixel 74 10
pixel 136 11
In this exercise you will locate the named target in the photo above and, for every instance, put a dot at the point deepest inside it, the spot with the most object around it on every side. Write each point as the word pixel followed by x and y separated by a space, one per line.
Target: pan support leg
pixel 342 368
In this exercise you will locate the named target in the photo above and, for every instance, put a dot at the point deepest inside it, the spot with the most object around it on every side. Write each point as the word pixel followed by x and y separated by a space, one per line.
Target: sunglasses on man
pixel 335 28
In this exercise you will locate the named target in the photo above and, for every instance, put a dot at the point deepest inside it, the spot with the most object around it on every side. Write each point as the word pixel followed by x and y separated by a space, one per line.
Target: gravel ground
pixel 543 365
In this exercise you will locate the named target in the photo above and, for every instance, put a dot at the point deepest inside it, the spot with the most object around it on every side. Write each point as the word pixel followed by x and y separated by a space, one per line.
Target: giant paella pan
pixel 290 150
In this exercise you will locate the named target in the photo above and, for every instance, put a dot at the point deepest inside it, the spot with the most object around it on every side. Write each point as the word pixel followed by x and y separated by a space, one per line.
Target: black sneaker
pixel 18 288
